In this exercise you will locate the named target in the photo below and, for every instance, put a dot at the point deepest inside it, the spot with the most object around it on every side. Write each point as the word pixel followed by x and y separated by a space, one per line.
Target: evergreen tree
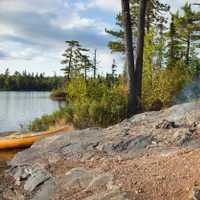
pixel 154 17
pixel 154 13
pixel 118 44
pixel 71 58
pixel 132 97
pixel 95 64
pixel 172 42
pixel 28 82
pixel 188 26
pixel 76 60
pixel 86 64
pixel 183 37
pixel 140 54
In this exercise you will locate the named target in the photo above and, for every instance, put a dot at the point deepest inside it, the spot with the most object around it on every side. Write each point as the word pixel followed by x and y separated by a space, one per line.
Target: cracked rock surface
pixel 154 156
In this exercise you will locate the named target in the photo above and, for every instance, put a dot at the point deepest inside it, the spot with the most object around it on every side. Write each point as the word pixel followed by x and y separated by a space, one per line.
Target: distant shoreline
pixel 25 91
pixel 6 133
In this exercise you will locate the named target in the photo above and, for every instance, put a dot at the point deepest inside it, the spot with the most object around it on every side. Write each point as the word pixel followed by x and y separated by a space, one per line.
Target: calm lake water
pixel 20 108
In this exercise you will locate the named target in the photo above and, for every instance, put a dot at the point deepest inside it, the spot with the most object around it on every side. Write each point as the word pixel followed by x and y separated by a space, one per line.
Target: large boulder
pixel 74 165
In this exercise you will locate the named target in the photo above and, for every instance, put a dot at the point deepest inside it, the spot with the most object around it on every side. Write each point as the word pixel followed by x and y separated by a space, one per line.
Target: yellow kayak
pixel 25 140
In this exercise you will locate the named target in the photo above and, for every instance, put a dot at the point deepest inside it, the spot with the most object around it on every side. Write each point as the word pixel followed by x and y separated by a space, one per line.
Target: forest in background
pixel 29 81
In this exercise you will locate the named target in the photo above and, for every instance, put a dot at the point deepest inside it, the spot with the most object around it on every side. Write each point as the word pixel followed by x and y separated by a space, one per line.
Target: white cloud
pixel 175 4
pixel 80 6
pixel 26 54
pixel 36 6
pixel 30 27
pixel 72 21
pixel 107 5
pixel 105 60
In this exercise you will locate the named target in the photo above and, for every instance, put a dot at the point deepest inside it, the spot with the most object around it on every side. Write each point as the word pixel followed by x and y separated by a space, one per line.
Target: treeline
pixel 28 81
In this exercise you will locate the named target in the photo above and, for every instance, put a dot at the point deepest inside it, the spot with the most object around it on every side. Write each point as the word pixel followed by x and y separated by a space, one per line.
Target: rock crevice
pixel 118 163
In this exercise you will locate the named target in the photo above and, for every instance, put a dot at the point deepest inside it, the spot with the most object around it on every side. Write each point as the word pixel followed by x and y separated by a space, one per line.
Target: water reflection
pixel 20 108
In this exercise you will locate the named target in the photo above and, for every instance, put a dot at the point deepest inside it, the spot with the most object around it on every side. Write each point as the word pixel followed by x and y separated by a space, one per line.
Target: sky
pixel 32 32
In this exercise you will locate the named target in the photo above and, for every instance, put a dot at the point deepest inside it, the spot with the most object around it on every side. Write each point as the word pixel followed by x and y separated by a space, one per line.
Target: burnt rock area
pixel 154 156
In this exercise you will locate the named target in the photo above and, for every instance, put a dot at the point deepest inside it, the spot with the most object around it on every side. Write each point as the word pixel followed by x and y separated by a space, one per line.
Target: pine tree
pixel 86 63
pixel 72 56
pixel 154 17
pixel 183 36
pixel 95 64
pixel 114 67
pixel 140 54
pixel 118 44
pixel 172 37
pixel 132 97
pixel 154 13
pixel 189 26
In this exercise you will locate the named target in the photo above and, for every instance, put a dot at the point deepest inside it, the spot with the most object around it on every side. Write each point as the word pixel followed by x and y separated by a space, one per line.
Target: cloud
pixel 49 28
pixel 179 3
pixel 25 54
pixel 105 61
pixel 37 6
pixel 33 32
pixel 3 55
pixel 47 25
pixel 107 5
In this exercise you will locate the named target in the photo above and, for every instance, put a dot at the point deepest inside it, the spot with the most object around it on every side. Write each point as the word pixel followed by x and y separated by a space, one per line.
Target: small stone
pixel 21 173
pixel 36 178
pixel 9 194
pixel 157 105
pixel 77 178
pixel 46 191
pixel 195 126
pixel 165 124
pixel 99 182
pixel 195 194
pixel 181 137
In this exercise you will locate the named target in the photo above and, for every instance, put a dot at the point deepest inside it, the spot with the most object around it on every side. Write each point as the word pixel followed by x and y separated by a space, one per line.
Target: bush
pixel 89 104
pixel 60 117
pixel 94 103
pixel 97 102
pixel 166 83
pixel 58 94
pixel 43 123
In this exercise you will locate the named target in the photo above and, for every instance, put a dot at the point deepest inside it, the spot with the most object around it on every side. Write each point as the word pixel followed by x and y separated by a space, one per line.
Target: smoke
pixel 189 93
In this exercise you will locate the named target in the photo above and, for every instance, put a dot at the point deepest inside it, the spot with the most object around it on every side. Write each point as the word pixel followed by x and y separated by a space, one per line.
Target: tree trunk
pixel 85 73
pixel 95 63
pixel 140 54
pixel 188 49
pixel 148 20
pixel 171 57
pixel 132 98
pixel 70 63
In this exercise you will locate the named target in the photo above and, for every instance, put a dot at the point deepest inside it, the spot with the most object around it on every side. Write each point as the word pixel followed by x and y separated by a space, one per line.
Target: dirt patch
pixel 154 156
pixel 157 177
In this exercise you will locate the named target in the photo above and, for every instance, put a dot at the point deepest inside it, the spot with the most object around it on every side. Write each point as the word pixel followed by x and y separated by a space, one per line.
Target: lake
pixel 20 108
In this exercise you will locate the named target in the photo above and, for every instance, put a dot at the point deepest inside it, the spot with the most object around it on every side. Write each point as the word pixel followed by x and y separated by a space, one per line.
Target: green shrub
pixel 89 104
pixel 43 123
pixel 164 85
pixel 58 94
pixel 95 103
pixel 98 103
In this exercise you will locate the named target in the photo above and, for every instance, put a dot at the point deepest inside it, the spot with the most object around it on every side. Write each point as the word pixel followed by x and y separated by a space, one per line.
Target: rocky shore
pixel 3 166
pixel 154 156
